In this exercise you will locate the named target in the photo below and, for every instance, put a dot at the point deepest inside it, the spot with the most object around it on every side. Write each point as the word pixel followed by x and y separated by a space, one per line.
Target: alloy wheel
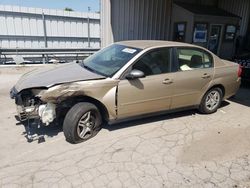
pixel 86 125
pixel 212 100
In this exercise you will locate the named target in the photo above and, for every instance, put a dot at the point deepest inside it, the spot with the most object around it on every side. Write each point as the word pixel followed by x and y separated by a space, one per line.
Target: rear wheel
pixel 211 101
pixel 82 122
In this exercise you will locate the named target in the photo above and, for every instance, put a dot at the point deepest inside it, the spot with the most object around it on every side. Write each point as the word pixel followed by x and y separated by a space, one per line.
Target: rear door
pixel 151 93
pixel 194 74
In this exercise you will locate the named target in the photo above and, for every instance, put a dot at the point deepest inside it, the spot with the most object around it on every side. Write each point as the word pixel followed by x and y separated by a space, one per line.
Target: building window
pixel 230 32
pixel 179 31
pixel 200 33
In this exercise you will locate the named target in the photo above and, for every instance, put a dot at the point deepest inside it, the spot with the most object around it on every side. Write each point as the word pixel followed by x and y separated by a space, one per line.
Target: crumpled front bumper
pixel 24 113
pixel 46 112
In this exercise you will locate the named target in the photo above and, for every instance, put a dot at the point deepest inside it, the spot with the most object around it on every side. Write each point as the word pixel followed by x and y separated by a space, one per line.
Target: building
pixel 219 25
pixel 24 27
pixel 35 35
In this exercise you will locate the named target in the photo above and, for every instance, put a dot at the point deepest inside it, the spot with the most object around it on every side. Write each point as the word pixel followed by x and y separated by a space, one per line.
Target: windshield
pixel 109 60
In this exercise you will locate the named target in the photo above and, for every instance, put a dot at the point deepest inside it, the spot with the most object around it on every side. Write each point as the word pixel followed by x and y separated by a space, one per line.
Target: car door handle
pixel 168 81
pixel 205 76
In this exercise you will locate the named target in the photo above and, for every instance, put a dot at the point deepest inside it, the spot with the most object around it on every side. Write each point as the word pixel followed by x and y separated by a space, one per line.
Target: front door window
pixel 154 62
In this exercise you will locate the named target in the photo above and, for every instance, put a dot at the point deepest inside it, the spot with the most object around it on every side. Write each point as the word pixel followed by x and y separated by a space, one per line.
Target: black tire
pixel 71 125
pixel 204 108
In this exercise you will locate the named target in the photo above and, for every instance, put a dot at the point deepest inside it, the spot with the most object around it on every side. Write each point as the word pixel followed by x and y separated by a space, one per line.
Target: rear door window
pixel 191 58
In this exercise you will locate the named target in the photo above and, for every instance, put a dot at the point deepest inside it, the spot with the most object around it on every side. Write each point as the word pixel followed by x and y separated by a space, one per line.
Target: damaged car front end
pixel 40 95
pixel 30 106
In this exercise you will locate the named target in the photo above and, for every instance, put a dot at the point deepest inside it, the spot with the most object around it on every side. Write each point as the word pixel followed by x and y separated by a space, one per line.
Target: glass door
pixel 214 38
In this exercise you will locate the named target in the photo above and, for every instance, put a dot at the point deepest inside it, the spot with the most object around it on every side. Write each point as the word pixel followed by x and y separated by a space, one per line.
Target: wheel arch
pixel 209 88
pixel 69 102
pixel 218 86
pixel 202 107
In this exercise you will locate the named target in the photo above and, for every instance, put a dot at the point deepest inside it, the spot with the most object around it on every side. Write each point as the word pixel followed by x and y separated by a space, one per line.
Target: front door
pixel 214 38
pixel 151 93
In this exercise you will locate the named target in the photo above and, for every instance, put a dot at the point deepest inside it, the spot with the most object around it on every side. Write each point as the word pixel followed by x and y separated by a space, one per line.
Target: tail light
pixel 240 71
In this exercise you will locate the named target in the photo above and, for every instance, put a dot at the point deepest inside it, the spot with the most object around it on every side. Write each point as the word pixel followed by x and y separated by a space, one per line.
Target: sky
pixel 76 5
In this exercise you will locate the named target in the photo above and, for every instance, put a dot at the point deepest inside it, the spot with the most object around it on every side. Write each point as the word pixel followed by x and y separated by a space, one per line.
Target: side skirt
pixel 121 120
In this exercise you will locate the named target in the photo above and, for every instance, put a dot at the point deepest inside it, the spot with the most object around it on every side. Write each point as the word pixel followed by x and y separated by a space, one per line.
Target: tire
pixel 210 105
pixel 82 122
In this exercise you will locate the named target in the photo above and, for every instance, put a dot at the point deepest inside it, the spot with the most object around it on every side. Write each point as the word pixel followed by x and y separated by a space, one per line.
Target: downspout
pixel 170 20
pixel 45 39
pixel 44 31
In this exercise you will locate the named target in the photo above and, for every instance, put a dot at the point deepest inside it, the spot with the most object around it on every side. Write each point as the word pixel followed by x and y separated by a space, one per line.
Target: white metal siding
pixel 22 27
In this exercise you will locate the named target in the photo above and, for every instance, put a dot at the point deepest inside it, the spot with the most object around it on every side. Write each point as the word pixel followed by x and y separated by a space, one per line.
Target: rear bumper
pixel 245 65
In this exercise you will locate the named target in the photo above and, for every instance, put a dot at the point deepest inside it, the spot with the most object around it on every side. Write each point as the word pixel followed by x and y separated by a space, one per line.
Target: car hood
pixel 58 74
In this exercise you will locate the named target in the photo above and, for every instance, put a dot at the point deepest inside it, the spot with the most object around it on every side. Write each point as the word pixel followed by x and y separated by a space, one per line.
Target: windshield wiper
pixel 92 70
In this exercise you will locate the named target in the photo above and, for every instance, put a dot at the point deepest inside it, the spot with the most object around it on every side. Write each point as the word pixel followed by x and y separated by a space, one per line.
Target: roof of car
pixel 143 44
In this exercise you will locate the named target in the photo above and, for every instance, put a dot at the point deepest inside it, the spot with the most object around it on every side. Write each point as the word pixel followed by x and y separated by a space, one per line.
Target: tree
pixel 68 9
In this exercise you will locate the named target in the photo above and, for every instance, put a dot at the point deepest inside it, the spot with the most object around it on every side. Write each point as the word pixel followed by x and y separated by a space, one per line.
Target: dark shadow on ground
pixel 38 131
pixel 145 120
pixel 243 95
pixel 156 118
pixel 224 103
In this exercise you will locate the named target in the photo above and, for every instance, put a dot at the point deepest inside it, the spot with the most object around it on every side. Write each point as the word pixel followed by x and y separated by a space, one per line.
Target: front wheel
pixel 211 101
pixel 82 122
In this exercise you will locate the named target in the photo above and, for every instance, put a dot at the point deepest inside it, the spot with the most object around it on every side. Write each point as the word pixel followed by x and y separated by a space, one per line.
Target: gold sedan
pixel 126 80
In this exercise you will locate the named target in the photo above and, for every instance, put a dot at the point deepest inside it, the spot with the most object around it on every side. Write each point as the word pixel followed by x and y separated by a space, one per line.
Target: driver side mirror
pixel 135 74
